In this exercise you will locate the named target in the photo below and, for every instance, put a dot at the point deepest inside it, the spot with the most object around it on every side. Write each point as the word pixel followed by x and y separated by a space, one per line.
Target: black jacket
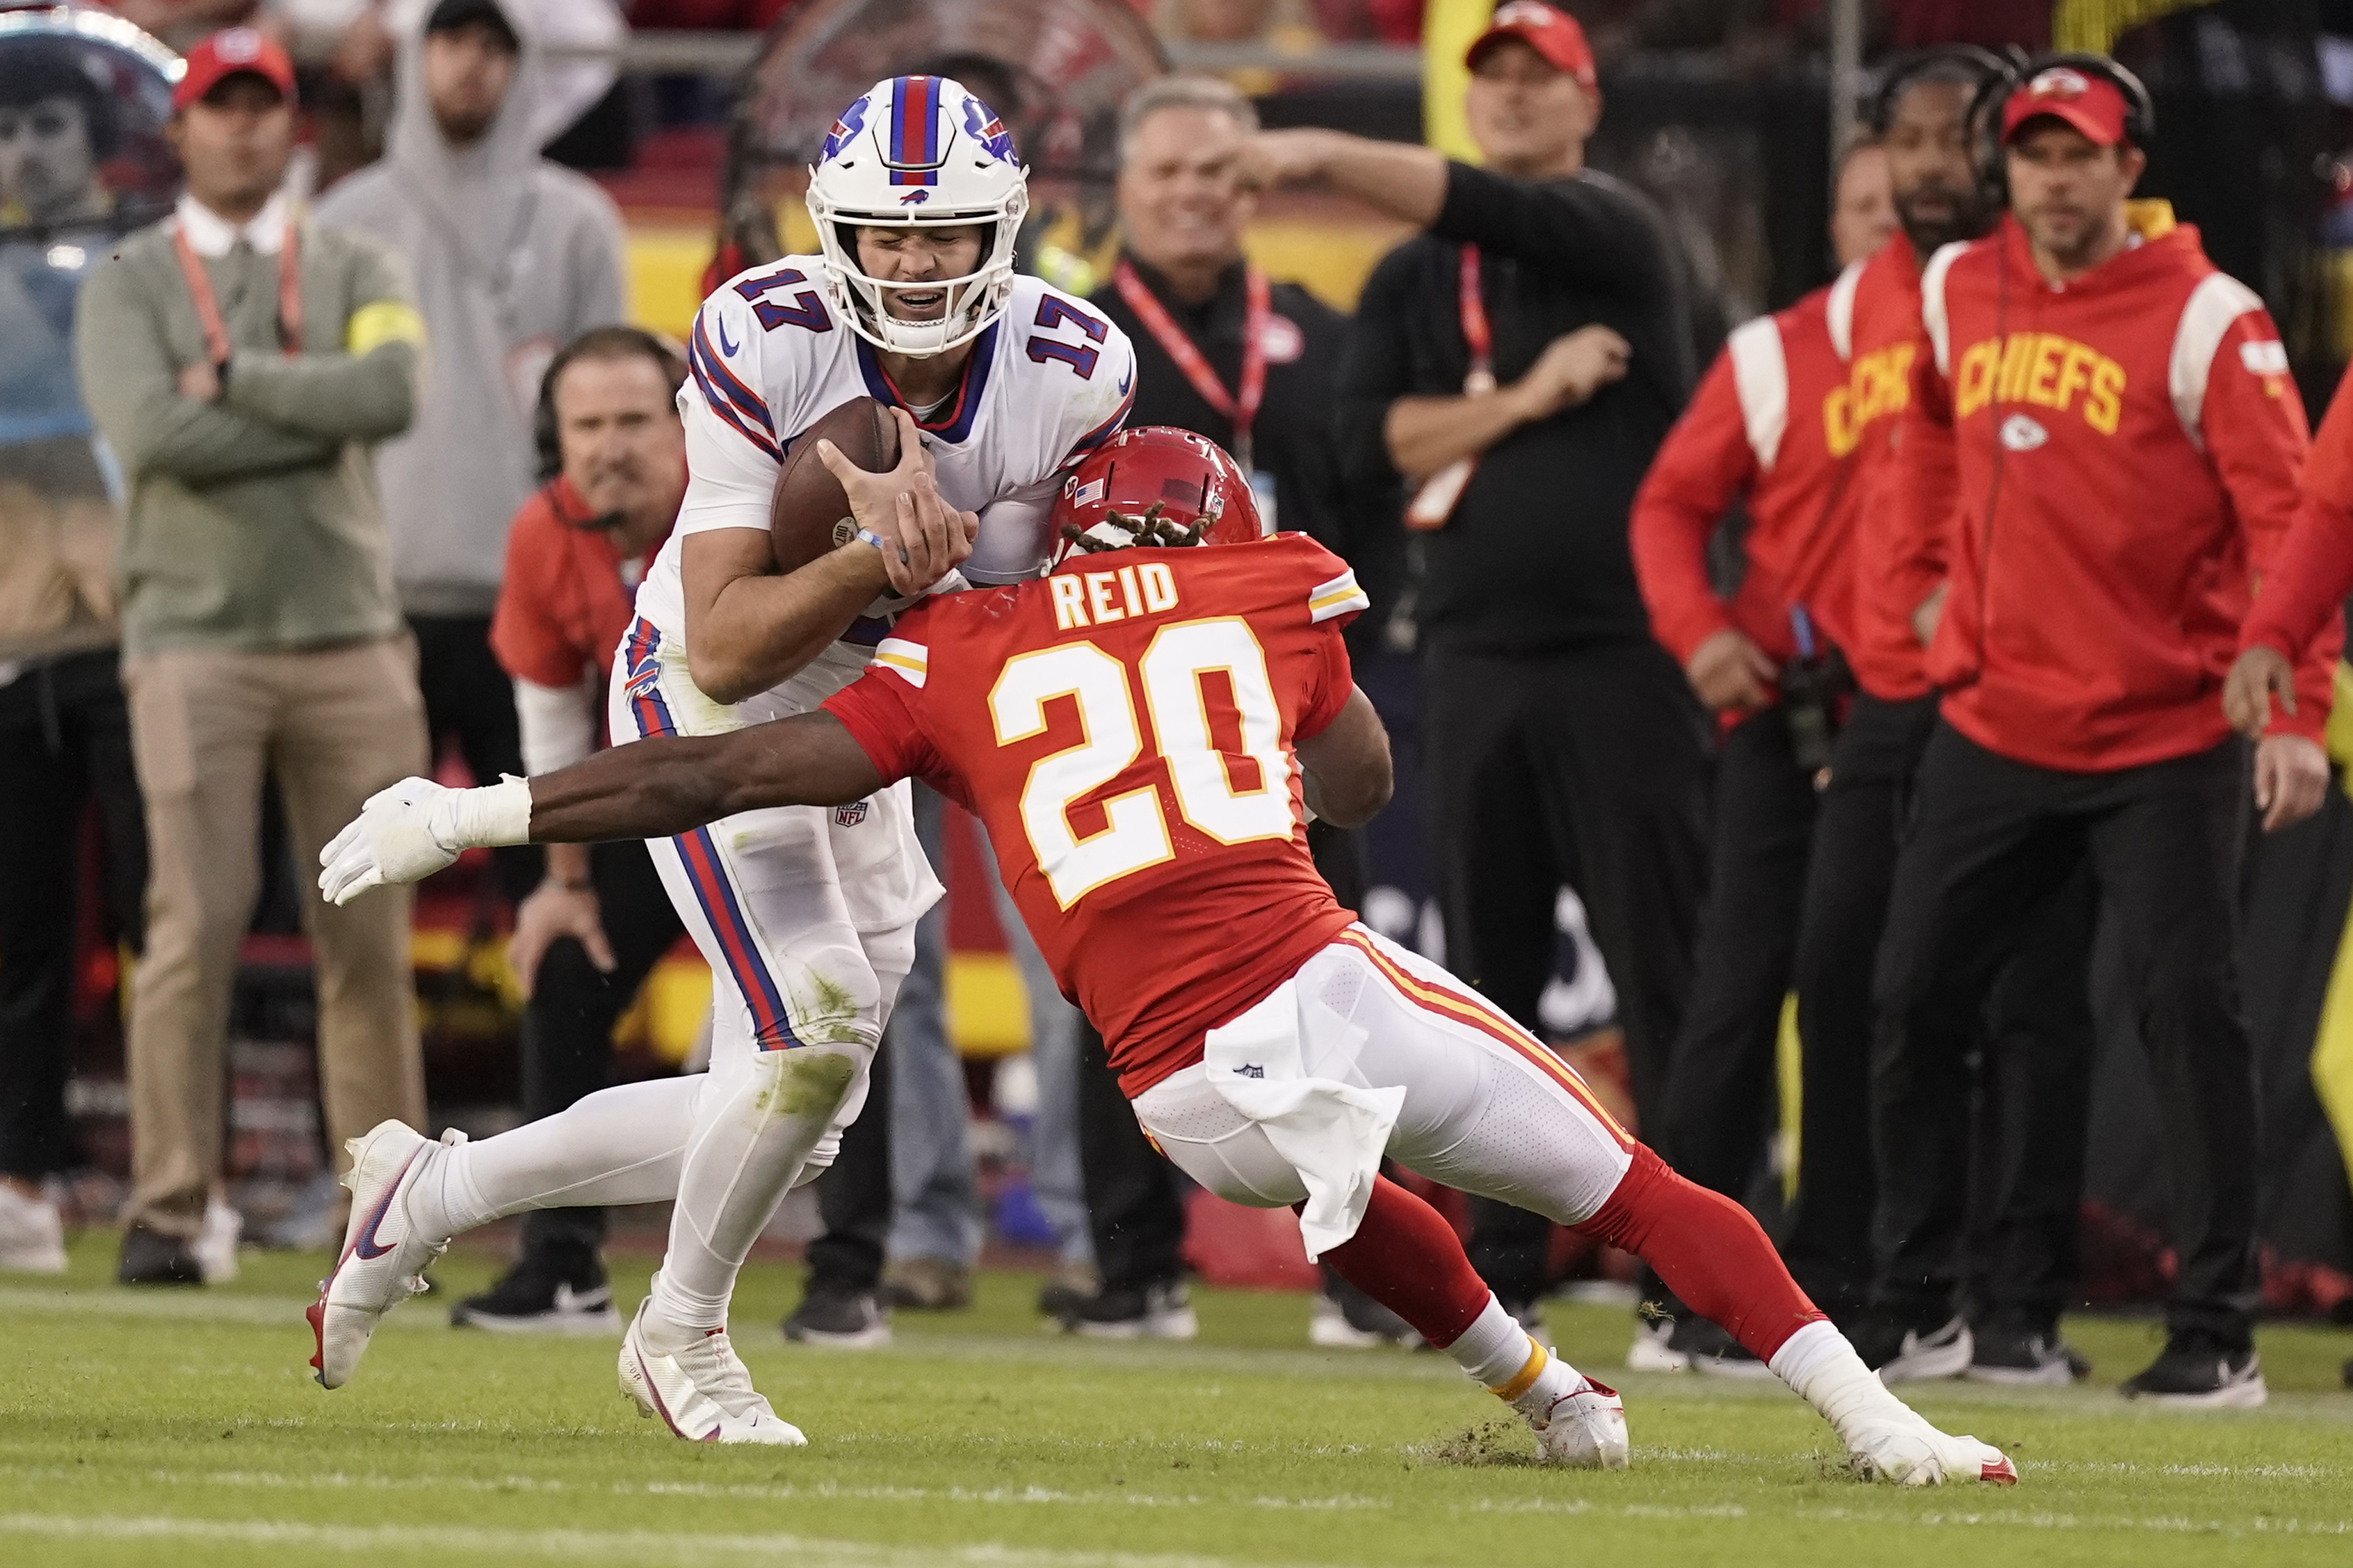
pixel 1353 515
pixel 1535 555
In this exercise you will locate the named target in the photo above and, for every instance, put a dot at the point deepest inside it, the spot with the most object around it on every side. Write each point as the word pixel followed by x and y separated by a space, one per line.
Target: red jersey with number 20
pixel 1123 727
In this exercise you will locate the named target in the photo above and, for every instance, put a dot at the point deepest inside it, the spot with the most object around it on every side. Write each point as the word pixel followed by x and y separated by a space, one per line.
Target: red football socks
pixel 1406 1256
pixel 1708 1250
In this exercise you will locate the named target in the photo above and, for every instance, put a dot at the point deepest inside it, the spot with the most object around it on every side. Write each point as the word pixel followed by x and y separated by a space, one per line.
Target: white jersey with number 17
pixel 1046 384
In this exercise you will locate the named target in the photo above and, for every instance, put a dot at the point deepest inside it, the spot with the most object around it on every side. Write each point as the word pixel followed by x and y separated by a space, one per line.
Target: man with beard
pixel 2037 1027
pixel 2124 442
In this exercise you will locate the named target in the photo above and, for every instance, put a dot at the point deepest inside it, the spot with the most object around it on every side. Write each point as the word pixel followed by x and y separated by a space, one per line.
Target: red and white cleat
pixel 383 1257
pixel 702 1391
pixel 1911 1453
pixel 1584 1430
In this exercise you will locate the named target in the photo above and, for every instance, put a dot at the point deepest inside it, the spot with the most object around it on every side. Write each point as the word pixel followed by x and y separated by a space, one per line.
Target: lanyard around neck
pixel 1240 407
pixel 207 305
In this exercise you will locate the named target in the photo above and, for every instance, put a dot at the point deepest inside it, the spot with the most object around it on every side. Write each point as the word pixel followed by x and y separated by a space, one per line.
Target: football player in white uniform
pixel 806 914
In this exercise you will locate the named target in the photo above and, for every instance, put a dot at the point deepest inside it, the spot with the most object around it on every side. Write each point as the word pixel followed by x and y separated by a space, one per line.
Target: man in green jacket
pixel 240 362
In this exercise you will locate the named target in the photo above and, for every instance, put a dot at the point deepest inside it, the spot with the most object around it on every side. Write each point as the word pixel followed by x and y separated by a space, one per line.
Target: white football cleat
pixel 1912 1453
pixel 1584 1430
pixel 704 1391
pixel 383 1257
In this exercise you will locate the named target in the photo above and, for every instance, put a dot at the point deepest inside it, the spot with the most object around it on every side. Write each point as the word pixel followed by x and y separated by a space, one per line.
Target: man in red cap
pixel 241 361
pixel 1517 365
pixel 233 51
pixel 2106 431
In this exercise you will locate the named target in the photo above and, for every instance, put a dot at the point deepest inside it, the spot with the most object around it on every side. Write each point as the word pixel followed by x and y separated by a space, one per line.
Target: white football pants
pixel 1488 1109
pixel 805 916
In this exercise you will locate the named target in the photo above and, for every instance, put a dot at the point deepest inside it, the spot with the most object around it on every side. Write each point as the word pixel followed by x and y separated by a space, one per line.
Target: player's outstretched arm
pixel 653 788
pixel 674 783
pixel 1346 763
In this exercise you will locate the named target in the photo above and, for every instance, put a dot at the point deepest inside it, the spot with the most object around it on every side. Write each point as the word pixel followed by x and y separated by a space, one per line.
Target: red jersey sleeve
pixel 878 708
pixel 2254 425
pixel 2300 595
pixel 1334 680
pixel 1704 461
pixel 527 637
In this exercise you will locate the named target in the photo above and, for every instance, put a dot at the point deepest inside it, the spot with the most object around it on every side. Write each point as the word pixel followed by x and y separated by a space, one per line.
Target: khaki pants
pixel 334 725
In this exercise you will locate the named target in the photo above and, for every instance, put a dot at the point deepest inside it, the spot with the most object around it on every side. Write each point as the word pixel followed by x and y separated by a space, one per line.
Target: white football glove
pixel 413 829
pixel 391 840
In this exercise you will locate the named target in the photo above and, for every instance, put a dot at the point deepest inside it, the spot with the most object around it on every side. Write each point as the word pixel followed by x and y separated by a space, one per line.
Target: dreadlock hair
pixel 1151 530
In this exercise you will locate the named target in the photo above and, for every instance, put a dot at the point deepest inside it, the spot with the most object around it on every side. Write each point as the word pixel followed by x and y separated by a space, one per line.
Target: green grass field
pixel 183 1430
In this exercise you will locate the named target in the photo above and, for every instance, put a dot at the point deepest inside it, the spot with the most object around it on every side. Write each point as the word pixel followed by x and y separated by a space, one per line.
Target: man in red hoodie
pixel 2037 1023
pixel 2125 442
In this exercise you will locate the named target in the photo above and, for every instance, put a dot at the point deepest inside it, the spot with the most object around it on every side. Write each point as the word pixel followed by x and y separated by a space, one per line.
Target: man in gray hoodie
pixel 510 256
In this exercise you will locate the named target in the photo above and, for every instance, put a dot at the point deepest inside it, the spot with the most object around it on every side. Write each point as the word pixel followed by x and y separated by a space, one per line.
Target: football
pixel 808 514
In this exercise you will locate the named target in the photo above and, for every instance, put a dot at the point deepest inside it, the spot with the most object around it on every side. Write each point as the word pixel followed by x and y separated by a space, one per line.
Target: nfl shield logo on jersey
pixel 851 815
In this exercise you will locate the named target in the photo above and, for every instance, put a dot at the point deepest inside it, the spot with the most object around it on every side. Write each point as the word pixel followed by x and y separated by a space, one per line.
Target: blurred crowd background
pixel 675 135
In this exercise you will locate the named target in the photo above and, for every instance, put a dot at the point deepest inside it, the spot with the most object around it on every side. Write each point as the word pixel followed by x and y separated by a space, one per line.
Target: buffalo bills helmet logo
pixel 853 121
pixel 993 138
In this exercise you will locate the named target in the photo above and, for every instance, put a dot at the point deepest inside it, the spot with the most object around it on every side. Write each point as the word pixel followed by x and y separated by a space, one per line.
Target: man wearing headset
pixel 2124 443
pixel 2038 1023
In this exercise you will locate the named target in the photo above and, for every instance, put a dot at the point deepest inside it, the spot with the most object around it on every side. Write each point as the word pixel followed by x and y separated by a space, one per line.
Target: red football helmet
pixel 1188 478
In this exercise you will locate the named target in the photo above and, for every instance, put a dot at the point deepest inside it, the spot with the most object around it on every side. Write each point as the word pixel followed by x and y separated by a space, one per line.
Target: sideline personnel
pixel 1537 332
pixel 2037 1022
pixel 1773 423
pixel 1253 366
pixel 2086 352
pixel 241 361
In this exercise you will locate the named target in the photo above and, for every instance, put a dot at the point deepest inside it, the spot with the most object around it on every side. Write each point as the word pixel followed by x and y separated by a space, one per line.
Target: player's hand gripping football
pixel 921 537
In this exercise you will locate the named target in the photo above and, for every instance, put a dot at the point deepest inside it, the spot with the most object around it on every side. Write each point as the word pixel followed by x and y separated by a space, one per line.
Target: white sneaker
pixel 1904 1449
pixel 383 1257
pixel 215 1244
pixel 1584 1430
pixel 1943 1352
pixel 1651 1352
pixel 704 1393
pixel 32 1237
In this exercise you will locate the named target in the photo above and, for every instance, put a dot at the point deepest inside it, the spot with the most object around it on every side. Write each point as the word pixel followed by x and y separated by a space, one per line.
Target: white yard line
pixel 629 1546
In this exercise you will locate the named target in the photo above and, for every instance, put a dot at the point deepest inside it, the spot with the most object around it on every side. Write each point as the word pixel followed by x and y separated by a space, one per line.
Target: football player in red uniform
pixel 1142 731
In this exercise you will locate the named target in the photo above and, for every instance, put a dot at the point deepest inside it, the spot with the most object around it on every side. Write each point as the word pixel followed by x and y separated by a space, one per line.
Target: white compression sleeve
pixel 619 1145
pixel 559 723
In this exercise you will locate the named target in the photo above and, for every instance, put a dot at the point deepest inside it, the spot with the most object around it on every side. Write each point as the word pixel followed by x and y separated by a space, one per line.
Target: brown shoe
pixel 927 1284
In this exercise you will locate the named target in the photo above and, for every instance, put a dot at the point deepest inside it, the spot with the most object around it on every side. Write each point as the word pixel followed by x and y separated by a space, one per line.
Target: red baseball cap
pixel 1555 34
pixel 2089 103
pixel 228 53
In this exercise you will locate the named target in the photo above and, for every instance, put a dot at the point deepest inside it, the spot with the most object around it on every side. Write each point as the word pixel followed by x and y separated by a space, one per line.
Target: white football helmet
pixel 918 150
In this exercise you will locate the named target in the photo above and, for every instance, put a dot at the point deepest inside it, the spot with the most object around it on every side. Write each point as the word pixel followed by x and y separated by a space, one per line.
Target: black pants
pixel 1135 1203
pixel 467 696
pixel 64 744
pixel 1723 1096
pixel 1586 768
pixel 2036 1034
pixel 567 1024
pixel 1990 844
